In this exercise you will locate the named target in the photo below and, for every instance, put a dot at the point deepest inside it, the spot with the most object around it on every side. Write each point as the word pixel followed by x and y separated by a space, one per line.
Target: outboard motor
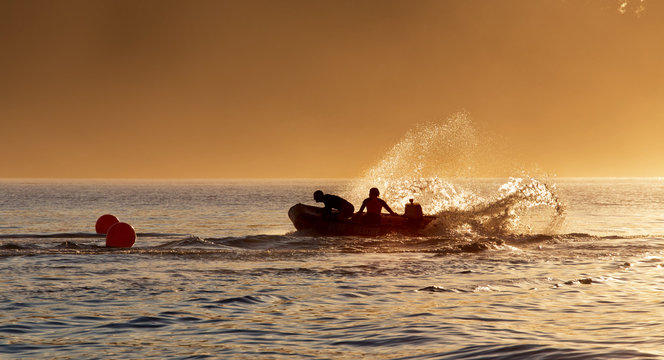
pixel 413 213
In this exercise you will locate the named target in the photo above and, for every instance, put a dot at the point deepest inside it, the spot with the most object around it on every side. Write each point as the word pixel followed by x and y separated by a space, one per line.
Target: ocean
pixel 515 268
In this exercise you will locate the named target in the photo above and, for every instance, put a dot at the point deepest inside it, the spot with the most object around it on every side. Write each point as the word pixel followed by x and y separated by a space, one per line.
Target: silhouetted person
pixel 344 208
pixel 374 205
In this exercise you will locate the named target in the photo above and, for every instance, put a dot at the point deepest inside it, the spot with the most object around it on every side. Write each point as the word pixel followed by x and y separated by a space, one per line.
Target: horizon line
pixel 44 179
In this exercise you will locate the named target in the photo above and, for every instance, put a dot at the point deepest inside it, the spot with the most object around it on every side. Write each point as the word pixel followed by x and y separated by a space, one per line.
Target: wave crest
pixel 505 212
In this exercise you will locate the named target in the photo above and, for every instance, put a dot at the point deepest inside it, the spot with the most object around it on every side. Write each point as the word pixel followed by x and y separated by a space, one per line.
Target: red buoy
pixel 121 235
pixel 105 222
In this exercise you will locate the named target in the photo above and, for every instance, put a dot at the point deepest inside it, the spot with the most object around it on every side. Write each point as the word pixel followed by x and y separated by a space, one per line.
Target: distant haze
pixel 324 89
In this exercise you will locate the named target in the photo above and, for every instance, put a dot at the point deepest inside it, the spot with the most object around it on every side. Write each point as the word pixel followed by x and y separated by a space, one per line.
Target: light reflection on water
pixel 329 305
pixel 225 293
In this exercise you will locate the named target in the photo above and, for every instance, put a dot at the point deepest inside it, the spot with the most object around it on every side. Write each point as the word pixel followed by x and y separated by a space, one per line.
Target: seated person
pixel 374 205
pixel 344 208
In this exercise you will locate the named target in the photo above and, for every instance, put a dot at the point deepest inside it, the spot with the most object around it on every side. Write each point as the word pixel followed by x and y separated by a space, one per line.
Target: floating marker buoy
pixel 121 235
pixel 105 222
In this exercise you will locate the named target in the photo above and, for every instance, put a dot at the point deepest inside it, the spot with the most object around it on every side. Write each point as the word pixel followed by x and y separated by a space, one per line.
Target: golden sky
pixel 243 89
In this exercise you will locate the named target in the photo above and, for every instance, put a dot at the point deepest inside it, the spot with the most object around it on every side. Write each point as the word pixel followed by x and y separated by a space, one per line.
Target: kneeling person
pixel 344 208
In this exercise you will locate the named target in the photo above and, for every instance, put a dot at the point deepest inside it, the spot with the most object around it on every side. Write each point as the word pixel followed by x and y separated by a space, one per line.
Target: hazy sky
pixel 317 88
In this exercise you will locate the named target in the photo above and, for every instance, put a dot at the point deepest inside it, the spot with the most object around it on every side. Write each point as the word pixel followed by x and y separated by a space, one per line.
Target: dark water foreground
pixel 567 296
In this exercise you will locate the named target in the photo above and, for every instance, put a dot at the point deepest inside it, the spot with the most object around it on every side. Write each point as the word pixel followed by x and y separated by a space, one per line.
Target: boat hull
pixel 317 221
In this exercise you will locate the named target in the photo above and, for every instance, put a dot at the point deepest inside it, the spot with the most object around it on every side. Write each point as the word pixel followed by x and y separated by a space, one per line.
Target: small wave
pixel 141 322
pixel 534 351
pixel 435 288
pixel 77 235
pixel 15 329
pixel 68 235
pixel 69 245
pixel 190 241
pixel 241 300
pixel 388 341
pixel 265 242
pixel 156 234
pixel 579 235
pixel 473 247
pixel 12 247
pixel 582 281
pixel 250 299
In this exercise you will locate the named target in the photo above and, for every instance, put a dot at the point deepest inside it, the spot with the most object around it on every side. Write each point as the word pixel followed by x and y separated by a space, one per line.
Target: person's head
pixel 373 192
pixel 318 195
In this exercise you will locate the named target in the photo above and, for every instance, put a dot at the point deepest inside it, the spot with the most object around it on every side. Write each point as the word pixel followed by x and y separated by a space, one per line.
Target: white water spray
pixel 431 164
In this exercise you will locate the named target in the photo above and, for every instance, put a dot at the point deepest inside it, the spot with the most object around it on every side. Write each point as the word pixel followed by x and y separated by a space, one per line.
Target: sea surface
pixel 515 268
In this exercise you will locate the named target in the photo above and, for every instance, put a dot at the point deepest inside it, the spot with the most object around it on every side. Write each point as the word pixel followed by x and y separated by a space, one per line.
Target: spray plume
pixel 431 164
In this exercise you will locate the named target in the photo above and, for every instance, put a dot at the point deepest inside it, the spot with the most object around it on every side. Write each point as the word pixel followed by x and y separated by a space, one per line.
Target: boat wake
pixel 520 205
pixel 298 244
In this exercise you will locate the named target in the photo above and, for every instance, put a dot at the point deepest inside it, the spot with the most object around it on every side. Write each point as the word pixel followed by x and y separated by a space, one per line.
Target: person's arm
pixel 364 204
pixel 387 207
pixel 328 204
